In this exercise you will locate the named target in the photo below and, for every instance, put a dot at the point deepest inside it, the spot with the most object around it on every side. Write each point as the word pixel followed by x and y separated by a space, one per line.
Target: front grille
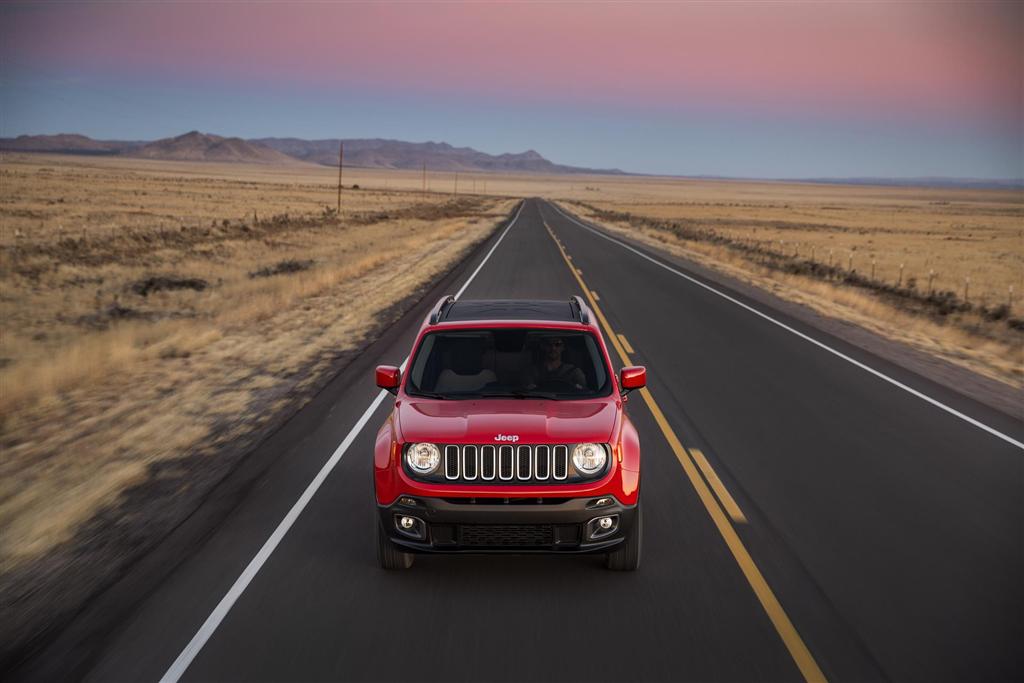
pixel 505 535
pixel 490 464
pixel 504 464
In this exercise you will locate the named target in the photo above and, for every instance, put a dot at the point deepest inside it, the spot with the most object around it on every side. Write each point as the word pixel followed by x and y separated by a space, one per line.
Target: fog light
pixel 410 526
pixel 600 527
pixel 406 500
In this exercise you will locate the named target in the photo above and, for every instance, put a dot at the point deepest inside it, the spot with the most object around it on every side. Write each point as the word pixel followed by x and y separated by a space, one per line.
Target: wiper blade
pixel 431 394
pixel 519 394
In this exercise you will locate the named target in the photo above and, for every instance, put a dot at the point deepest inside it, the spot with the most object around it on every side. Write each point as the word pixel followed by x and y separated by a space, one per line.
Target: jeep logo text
pixel 507 437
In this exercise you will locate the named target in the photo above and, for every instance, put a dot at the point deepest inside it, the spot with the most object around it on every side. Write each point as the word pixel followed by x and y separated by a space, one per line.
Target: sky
pixel 744 89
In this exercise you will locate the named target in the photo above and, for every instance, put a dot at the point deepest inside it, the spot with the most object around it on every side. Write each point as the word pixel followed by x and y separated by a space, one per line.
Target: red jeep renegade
pixel 508 436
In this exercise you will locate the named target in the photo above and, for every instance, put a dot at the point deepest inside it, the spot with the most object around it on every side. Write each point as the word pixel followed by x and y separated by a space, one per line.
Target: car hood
pixel 483 421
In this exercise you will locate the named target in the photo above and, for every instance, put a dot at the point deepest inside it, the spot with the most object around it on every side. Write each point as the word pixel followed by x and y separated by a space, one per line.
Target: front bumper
pixel 506 525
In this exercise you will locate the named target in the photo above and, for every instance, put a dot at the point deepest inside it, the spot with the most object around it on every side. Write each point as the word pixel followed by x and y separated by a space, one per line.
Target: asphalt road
pixel 888 529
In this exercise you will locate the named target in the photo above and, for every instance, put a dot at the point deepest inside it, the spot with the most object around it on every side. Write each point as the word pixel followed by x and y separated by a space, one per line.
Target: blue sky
pixel 954 111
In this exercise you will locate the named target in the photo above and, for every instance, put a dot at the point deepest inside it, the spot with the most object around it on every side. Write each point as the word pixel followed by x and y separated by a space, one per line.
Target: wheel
pixel 626 557
pixel 388 554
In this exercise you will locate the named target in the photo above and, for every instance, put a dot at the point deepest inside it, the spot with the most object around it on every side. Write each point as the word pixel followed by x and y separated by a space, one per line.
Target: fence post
pixel 872 269
pixel 899 283
pixel 967 283
pixel 931 276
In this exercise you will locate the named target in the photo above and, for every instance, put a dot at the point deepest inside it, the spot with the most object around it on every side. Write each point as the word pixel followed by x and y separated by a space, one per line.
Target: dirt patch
pixel 286 267
pixel 166 283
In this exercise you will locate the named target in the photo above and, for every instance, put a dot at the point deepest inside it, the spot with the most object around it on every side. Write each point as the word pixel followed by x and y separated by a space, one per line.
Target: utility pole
pixel 424 177
pixel 456 191
pixel 341 164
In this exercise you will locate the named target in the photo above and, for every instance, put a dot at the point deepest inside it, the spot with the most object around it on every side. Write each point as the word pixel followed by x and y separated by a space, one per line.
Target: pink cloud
pixel 899 59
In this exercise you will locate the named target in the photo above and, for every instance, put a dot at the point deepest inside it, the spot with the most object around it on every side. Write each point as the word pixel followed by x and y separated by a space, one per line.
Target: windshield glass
pixel 502 363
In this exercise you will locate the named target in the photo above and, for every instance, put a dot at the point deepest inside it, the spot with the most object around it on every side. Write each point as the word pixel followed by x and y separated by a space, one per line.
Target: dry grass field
pixel 154 311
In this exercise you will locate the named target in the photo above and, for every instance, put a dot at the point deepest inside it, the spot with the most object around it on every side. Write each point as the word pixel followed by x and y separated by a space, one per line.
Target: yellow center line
pixel 594 294
pixel 723 493
pixel 802 657
pixel 625 343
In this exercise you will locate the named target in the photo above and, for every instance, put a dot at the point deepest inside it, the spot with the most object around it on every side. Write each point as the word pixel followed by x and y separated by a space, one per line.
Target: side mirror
pixel 388 377
pixel 632 377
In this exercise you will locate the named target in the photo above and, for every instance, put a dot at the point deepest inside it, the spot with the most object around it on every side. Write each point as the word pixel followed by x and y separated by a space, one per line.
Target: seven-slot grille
pixel 505 463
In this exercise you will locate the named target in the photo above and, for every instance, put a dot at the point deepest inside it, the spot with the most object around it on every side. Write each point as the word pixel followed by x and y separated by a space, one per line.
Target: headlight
pixel 423 458
pixel 589 458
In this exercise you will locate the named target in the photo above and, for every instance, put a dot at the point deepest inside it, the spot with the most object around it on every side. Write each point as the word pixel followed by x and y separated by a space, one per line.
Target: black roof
pixel 567 310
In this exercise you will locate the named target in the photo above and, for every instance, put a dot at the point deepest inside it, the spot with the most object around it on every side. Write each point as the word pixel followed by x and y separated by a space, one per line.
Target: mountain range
pixel 395 154
pixel 367 153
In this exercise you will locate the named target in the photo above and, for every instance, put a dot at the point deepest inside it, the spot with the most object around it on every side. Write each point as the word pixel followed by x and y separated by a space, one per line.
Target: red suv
pixel 508 436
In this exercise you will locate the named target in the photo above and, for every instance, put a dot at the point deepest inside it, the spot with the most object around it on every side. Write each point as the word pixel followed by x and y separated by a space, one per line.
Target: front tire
pixel 388 555
pixel 626 557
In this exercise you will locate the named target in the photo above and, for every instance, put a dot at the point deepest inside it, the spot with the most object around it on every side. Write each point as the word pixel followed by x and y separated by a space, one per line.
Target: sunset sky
pixel 739 89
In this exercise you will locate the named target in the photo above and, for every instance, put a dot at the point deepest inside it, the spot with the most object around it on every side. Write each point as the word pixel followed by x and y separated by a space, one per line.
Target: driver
pixel 553 369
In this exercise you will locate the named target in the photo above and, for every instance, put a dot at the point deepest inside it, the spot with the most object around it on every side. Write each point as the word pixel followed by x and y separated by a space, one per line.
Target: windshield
pixel 503 363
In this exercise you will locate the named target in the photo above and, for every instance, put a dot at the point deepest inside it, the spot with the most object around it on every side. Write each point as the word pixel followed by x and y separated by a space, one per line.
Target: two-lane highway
pixel 810 518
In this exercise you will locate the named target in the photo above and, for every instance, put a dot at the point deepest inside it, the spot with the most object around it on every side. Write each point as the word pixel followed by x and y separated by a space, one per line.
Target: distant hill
pixel 192 146
pixel 396 154
pixel 196 146
pixel 438 156
pixel 372 153
pixel 65 143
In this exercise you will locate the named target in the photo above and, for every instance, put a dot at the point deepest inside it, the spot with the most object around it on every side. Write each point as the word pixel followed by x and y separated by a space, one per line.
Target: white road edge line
pixel 181 664
pixel 924 397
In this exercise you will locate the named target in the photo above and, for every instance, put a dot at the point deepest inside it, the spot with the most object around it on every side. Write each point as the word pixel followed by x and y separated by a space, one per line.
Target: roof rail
pixel 584 312
pixel 441 308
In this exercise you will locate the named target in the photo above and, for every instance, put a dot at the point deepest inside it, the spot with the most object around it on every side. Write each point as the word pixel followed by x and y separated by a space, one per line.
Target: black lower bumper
pixel 468 525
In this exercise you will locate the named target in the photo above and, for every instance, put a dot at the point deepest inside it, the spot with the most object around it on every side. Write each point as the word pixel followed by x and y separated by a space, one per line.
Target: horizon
pixel 1006 182
pixel 786 91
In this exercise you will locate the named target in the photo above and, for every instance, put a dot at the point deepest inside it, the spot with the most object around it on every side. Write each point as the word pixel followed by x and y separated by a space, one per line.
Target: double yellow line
pixel 694 462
